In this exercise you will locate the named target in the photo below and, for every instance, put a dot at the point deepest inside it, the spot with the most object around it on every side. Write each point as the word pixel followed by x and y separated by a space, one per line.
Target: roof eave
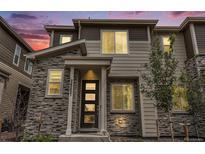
pixel 81 43
pixel 12 32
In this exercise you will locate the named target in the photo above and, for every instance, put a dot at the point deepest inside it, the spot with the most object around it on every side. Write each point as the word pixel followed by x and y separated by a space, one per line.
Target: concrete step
pixel 84 138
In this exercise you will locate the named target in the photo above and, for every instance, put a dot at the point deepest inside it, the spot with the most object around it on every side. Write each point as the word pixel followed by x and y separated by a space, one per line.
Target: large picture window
pixel 54 82
pixel 114 42
pixel 122 97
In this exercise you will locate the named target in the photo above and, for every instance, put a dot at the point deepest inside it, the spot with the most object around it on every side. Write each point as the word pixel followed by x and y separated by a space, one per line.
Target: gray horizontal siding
pixel 200 37
pixel 10 91
pixel 7 49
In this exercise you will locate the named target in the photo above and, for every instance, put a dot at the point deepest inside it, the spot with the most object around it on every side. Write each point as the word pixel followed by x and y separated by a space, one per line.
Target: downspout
pixel 79 29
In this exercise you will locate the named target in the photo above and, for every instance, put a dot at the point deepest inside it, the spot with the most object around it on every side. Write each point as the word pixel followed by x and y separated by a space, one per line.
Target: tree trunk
pixel 171 126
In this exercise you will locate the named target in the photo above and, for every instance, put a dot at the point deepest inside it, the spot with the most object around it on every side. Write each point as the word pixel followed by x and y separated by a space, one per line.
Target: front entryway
pixel 89 103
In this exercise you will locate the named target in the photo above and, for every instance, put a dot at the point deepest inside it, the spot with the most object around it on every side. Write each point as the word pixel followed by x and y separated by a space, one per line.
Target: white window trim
pixel 15 54
pixel 65 35
pixel 25 67
pixel 114 53
pixel 133 95
pixel 61 84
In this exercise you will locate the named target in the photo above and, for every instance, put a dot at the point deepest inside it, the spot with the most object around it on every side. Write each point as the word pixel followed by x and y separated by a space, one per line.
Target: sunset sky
pixel 30 25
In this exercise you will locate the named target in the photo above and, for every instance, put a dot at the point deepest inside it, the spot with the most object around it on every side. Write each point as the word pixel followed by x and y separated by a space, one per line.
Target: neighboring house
pixel 88 81
pixel 15 73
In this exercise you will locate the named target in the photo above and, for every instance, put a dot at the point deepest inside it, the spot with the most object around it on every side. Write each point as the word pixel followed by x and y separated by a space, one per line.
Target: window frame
pixel 16 54
pixel 61 84
pixel 113 30
pixel 64 35
pixel 25 67
pixel 133 97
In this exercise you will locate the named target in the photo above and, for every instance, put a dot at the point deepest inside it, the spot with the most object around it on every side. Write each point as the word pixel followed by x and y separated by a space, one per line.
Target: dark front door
pixel 89 106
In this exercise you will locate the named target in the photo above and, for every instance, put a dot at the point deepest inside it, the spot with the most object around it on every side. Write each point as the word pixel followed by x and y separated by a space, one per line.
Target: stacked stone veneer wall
pixel 193 66
pixel 198 64
pixel 131 121
pixel 177 118
pixel 53 110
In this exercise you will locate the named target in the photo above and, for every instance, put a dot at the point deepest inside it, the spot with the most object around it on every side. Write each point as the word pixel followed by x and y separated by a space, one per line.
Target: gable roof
pixel 61 48
pixel 10 30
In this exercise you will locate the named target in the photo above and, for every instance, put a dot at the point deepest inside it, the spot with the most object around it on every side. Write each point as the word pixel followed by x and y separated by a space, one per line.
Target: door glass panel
pixel 90 107
pixel 90 86
pixel 89 119
pixel 90 97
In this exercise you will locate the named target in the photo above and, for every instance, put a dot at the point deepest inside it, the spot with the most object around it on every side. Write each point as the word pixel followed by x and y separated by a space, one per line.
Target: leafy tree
pixel 160 77
pixel 195 95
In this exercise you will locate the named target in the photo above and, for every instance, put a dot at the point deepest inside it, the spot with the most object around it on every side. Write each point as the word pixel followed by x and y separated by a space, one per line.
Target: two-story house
pixel 87 83
pixel 15 74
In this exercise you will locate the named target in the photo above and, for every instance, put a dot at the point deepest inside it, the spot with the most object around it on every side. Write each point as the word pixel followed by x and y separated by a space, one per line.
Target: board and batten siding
pixel 200 37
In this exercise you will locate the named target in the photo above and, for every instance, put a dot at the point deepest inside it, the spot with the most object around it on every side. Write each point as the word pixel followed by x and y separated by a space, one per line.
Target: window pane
pixel 128 97
pixel 166 44
pixel 117 97
pixel 89 119
pixel 121 42
pixel 90 107
pixel 54 89
pixel 65 39
pixel 180 99
pixel 108 42
pixel 122 97
pixel 18 50
pixel 90 97
pixel 16 59
pixel 90 86
pixel 55 76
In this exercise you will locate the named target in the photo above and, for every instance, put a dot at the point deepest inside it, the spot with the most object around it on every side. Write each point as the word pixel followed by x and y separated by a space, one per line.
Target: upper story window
pixel 122 97
pixel 54 83
pixel 17 55
pixel 166 43
pixel 65 39
pixel 28 66
pixel 180 101
pixel 114 42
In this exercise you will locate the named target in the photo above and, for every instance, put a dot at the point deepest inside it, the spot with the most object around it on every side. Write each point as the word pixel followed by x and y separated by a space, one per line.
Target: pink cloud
pixel 124 14
pixel 180 14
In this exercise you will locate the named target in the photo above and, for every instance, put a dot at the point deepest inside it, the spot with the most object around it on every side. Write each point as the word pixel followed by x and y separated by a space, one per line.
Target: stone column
pixel 70 102
pixel 103 109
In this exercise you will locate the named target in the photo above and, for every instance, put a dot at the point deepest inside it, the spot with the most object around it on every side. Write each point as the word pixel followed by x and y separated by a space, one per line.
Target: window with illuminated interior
pixel 180 102
pixel 122 97
pixel 54 85
pixel 65 39
pixel 166 43
pixel 114 42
